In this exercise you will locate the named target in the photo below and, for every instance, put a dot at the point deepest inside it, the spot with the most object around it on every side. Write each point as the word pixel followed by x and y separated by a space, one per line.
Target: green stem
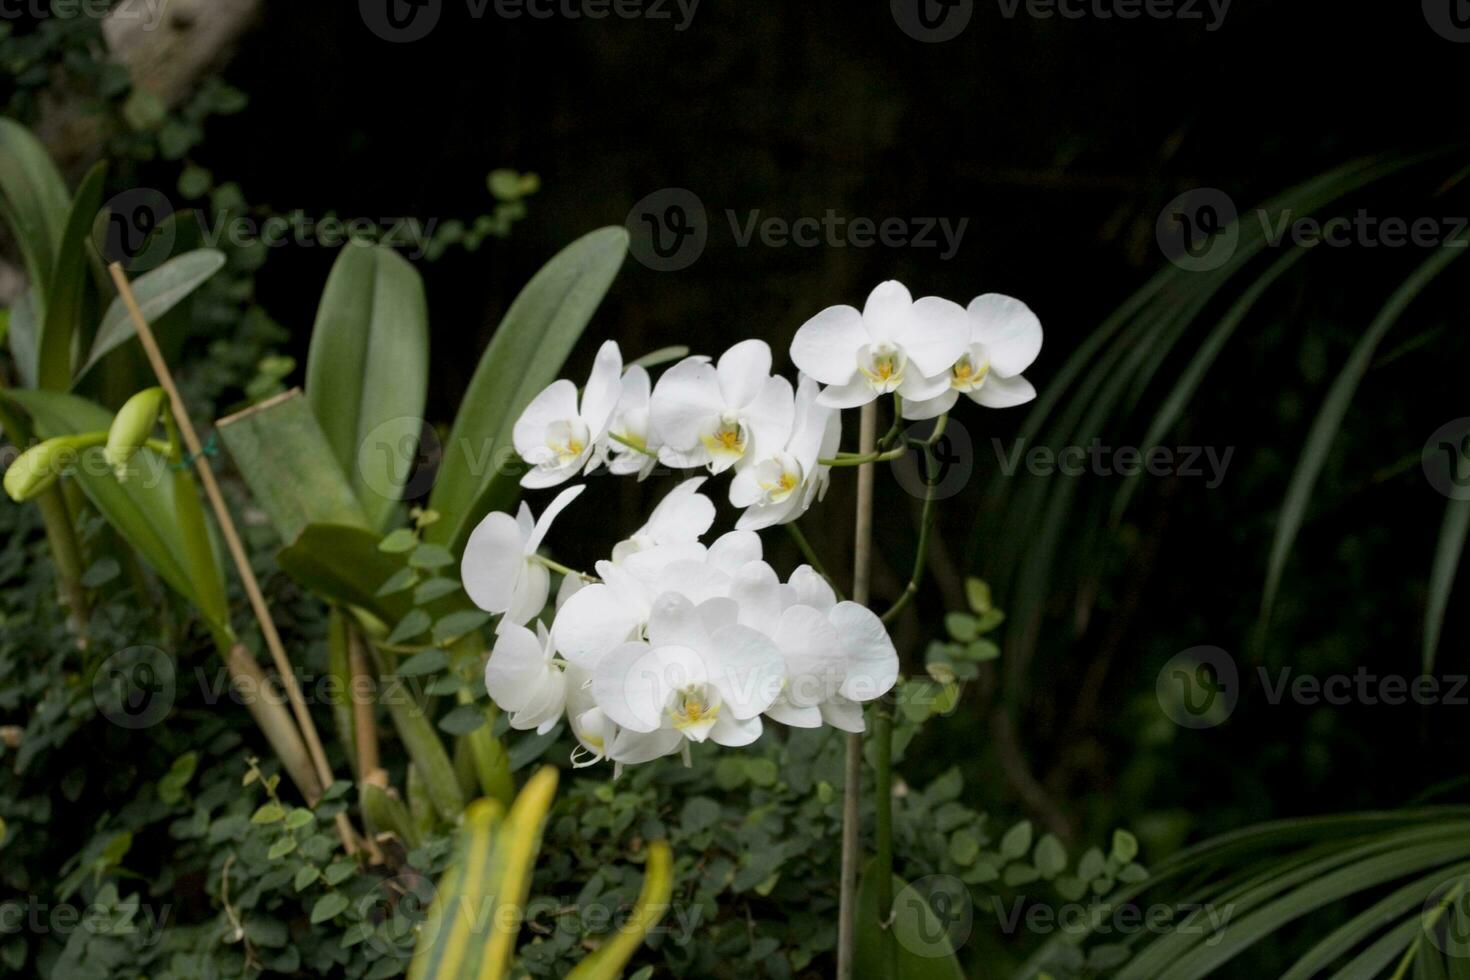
pixel 862 459
pixel 921 551
pixel 810 554
pixel 883 793
pixel 61 535
pixel 557 566
pixel 632 445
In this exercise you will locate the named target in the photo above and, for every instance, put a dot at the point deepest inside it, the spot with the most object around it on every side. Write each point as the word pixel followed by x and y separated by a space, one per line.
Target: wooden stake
pixel 236 548
pixel 862 549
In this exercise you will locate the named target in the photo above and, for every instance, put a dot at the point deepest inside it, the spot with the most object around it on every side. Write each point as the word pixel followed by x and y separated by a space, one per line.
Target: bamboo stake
pixel 235 546
pixel 862 550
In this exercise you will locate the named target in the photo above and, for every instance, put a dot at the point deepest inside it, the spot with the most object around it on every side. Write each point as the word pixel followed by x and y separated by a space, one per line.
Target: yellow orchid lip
pixel 727 441
pixel 966 376
pixel 882 365
pixel 693 712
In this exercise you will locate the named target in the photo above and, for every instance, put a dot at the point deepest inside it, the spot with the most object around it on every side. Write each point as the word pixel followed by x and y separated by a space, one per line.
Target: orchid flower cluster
pixel 675 641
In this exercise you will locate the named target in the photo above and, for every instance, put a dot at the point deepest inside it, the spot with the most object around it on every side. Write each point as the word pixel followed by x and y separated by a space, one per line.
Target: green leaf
pixel 1125 846
pixel 66 290
pixel 306 877
pixel 961 626
pixel 399 541
pixel 977 594
pixel 367 372
pixel 338 872
pixel 1017 875
pixel 1050 857
pixel 299 817
pixel 457 624
pixel 328 907
pixel 342 563
pixel 404 578
pixel 1016 842
pixel 1335 407
pixel 435 588
pixel 427 662
pixel 430 556
pixel 34 202
pixel 1447 553
pixel 281 848
pixel 524 356
pixel 916 947
pixel 171 786
pixel 25 336
pixel 462 719
pixel 157 292
pixel 271 812
pixel 964 847
pixel 413 624
pixel 282 453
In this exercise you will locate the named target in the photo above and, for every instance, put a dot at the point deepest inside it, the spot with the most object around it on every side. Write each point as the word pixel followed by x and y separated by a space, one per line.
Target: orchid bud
pixel 132 427
pixel 34 470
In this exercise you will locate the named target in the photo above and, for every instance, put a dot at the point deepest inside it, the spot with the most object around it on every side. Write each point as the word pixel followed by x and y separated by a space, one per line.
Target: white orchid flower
pixel 615 609
pixel 700 675
pixel 837 654
pixel 557 434
pixel 896 344
pixel 500 569
pixel 592 729
pixel 524 680
pixel 1005 337
pixel 724 414
pixel 630 440
pixel 682 517
pixel 779 488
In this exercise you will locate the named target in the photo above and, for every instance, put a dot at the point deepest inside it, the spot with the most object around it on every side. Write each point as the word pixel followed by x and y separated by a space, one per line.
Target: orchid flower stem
pixel 810 554
pixel 558 567
pixel 631 445
pixel 862 459
pixel 921 551
pixel 853 763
